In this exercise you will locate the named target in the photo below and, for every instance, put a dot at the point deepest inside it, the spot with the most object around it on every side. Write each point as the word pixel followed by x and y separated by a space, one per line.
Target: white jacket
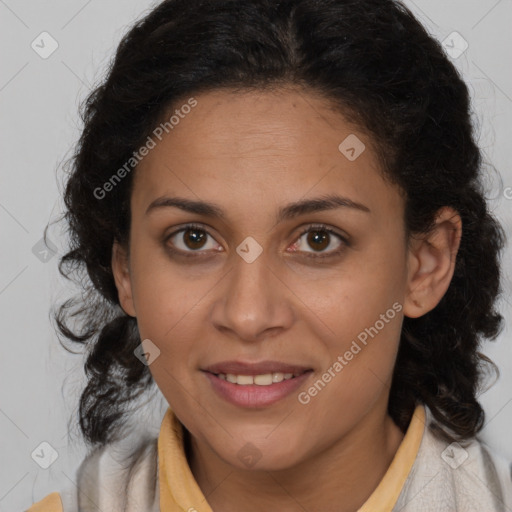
pixel 442 477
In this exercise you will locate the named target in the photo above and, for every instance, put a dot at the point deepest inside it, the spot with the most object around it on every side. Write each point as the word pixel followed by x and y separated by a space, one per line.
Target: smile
pixel 255 391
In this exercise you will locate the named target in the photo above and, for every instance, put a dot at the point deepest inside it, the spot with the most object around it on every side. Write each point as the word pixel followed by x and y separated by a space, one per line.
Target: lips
pixel 263 367
pixel 256 395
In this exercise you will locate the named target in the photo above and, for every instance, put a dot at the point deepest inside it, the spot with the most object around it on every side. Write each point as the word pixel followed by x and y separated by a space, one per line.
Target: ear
pixel 431 263
pixel 122 278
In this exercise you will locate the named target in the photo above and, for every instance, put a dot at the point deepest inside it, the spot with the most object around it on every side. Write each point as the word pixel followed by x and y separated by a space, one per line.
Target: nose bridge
pixel 252 301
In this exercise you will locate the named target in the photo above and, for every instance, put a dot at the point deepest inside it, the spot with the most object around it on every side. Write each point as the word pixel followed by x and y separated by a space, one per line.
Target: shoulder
pixel 121 476
pixel 116 477
pixel 468 476
pixel 50 503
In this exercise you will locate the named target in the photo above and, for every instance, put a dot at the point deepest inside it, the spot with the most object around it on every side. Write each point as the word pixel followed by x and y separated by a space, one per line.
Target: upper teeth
pixel 261 380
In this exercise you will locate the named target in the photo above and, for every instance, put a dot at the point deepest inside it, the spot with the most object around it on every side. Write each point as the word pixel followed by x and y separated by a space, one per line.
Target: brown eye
pixel 194 238
pixel 191 239
pixel 319 239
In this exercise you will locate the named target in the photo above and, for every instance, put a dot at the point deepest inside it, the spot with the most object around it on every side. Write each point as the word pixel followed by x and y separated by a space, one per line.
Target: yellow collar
pixel 384 497
pixel 179 491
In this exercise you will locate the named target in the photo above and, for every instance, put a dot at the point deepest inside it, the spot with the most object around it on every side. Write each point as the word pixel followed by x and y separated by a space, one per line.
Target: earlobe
pixel 122 278
pixel 431 263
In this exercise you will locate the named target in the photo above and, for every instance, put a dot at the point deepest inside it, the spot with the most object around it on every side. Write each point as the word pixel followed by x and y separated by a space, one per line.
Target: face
pixel 257 279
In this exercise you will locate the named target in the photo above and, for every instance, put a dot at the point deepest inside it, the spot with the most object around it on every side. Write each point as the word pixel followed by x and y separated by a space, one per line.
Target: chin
pixel 263 456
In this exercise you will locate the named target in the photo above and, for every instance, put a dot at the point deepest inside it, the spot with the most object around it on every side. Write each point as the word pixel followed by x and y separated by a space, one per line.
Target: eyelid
pixel 310 227
pixel 324 227
pixel 186 227
pixel 332 231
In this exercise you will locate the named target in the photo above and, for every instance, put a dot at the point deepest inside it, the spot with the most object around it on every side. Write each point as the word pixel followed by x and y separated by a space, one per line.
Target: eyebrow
pixel 305 206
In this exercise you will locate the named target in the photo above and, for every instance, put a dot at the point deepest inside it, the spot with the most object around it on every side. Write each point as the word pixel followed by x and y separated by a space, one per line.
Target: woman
pixel 279 209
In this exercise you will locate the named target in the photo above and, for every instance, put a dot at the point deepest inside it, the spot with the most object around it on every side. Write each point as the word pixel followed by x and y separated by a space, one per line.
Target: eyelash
pixel 312 227
pixel 326 229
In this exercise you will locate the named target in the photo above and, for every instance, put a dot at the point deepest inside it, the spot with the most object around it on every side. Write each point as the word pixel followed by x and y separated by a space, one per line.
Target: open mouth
pixel 264 379
pixel 256 383
pixel 258 390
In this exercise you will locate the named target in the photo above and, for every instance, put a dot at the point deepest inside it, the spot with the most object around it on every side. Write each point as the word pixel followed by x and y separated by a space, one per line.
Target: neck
pixel 340 478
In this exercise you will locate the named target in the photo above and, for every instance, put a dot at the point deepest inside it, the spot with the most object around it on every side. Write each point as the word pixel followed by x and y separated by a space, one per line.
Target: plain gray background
pixel 39 97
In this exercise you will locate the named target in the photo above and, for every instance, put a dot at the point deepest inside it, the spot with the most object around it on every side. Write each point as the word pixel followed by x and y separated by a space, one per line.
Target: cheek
pixel 165 316
pixel 169 316
pixel 346 301
pixel 359 313
pixel 164 293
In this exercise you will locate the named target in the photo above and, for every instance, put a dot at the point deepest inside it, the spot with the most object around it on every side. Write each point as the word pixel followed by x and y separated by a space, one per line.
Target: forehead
pixel 259 122
pixel 282 144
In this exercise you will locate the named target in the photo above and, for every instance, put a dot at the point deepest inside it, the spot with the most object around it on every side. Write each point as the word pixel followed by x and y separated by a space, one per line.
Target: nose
pixel 254 302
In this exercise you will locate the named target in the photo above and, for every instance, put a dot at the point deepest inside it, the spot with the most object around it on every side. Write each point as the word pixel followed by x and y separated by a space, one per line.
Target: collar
pixel 179 491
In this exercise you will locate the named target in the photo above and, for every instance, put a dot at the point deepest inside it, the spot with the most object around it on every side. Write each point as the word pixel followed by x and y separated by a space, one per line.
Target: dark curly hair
pixel 371 59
